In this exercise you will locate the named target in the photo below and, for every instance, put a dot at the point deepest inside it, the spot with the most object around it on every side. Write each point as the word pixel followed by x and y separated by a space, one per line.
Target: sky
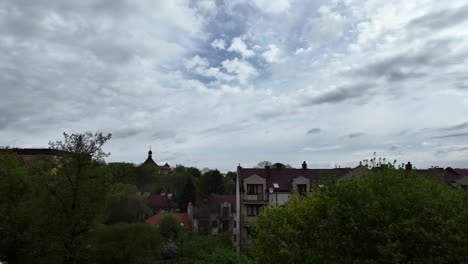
pixel 215 83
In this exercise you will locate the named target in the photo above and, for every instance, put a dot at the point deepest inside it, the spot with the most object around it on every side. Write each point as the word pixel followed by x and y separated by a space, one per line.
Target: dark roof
pixel 448 175
pixel 34 151
pixel 150 162
pixel 160 201
pixel 284 176
pixel 463 172
pixel 217 199
pixel 27 154
pixel 166 165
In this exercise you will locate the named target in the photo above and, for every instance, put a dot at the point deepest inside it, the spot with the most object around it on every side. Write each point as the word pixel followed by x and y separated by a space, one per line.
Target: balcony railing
pixel 260 197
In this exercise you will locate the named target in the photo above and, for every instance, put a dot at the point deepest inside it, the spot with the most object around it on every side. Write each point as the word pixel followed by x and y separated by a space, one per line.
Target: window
pixel 235 238
pixel 235 223
pixel 302 188
pixel 225 211
pixel 254 189
pixel 253 209
pixel 226 225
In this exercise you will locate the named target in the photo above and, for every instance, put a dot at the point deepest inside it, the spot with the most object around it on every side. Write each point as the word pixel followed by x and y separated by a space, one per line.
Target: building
pixel 27 154
pixel 217 216
pixel 165 169
pixel 161 203
pixel 259 187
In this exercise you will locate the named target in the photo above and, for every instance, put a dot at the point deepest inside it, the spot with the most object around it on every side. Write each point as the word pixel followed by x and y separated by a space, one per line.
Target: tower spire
pixel 150 153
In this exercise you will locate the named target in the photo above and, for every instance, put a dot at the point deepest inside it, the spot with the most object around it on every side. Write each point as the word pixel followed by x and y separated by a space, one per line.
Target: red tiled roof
pixel 182 218
pixel 284 176
pixel 160 201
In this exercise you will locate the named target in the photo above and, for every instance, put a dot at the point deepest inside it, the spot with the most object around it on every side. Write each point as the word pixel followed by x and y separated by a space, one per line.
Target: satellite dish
pixel 271 190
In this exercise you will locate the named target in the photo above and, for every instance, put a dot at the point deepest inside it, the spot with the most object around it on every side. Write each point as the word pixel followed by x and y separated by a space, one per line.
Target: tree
pixel 196 247
pixel 385 217
pixel 230 183
pixel 262 164
pixel 78 188
pixel 211 182
pixel 169 227
pixel 188 194
pixel 125 243
pixel 223 256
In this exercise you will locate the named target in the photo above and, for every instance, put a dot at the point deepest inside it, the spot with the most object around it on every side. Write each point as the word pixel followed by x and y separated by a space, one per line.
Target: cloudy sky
pixel 216 83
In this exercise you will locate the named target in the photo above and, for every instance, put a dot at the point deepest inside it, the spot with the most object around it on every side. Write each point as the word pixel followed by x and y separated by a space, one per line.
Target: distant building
pixel 159 203
pixel 165 169
pixel 28 154
pixel 217 216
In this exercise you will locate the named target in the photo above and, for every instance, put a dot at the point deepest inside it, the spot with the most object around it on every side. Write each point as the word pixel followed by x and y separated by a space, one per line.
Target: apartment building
pixel 259 187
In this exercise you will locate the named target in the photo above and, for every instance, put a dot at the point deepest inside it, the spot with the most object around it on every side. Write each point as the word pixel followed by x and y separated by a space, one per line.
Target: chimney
pixel 304 165
pixel 190 211
pixel 408 166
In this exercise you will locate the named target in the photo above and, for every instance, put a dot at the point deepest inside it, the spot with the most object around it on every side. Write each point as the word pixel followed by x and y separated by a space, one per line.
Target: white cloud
pixel 272 55
pixel 243 70
pixel 218 44
pixel 202 67
pixel 238 45
pixel 274 7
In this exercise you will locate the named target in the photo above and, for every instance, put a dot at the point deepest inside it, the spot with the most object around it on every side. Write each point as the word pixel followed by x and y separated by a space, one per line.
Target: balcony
pixel 260 198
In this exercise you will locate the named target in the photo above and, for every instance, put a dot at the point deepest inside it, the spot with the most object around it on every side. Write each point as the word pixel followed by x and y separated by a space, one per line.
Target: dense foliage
pixel 386 217
pixel 74 208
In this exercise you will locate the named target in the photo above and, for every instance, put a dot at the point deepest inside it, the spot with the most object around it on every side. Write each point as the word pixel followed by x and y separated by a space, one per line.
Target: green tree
pixel 123 172
pixel 188 194
pixel 386 217
pixel 211 182
pixel 13 190
pixel 223 256
pixel 196 247
pixel 169 227
pixel 125 244
pixel 78 189
pixel 230 183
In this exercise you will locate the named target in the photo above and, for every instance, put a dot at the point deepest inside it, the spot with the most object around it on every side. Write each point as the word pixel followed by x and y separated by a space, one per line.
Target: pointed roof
pixel 149 161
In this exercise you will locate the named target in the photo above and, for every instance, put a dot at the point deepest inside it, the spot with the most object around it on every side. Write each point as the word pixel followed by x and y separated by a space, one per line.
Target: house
pixel 217 216
pixel 182 218
pixel 159 203
pixel 259 187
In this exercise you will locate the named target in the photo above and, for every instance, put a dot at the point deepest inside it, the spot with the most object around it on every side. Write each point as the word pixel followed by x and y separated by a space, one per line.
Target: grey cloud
pixel 443 19
pixel 127 132
pixel 163 134
pixel 455 135
pixel 406 66
pixel 461 86
pixel 456 127
pixel 341 94
pixel 355 135
pixel 314 130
